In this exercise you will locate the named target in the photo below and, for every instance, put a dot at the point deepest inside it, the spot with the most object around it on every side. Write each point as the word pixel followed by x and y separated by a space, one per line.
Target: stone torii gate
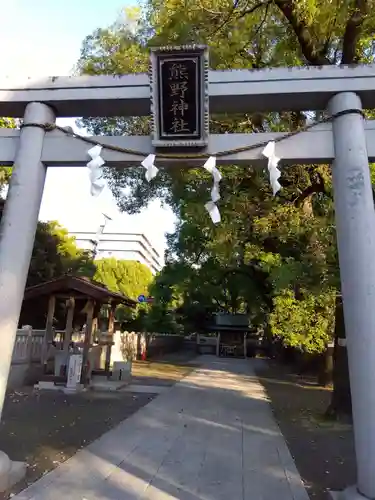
pixel 348 143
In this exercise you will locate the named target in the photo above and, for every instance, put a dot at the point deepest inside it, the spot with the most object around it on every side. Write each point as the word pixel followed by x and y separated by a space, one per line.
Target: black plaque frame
pixel 191 55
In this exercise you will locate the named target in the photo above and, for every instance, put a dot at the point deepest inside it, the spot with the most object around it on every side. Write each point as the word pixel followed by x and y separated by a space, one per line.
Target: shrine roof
pixel 78 287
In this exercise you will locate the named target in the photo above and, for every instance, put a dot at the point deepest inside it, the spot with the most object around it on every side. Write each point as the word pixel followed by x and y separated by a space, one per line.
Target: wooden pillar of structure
pixel 111 318
pixel 111 329
pixel 69 324
pixel 48 336
pixel 90 313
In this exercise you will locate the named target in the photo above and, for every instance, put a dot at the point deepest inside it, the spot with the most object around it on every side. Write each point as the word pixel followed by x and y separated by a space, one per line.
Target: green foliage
pixel 7 123
pixel 116 50
pixel 270 257
pixel 306 324
pixel 55 254
pixel 6 172
pixel 129 278
pixel 169 295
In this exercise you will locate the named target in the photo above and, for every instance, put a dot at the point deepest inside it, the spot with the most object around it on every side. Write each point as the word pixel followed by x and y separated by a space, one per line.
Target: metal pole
pixel 17 230
pixel 355 227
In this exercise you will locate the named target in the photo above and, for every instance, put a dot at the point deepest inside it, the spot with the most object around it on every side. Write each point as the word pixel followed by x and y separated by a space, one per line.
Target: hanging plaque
pixel 179 96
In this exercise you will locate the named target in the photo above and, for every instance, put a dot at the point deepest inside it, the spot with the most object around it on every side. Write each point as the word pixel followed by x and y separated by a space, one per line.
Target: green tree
pixel 287 242
pixel 6 172
pixel 128 277
pixel 308 322
pixel 55 254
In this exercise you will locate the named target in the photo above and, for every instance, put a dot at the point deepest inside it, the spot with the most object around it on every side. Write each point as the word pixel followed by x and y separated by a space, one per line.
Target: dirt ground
pixel 166 371
pixel 323 450
pixel 44 429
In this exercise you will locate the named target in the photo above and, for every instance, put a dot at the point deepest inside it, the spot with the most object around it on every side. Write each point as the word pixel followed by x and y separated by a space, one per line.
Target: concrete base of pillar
pixel 106 385
pixel 10 472
pixel 50 386
pixel 47 385
pixel 74 390
pixel 350 493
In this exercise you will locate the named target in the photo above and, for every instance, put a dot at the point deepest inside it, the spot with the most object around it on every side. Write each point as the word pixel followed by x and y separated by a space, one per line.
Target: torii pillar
pixel 17 234
pixel 355 227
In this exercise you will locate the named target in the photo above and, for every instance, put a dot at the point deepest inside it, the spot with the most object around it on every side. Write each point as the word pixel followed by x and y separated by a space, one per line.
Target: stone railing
pixel 26 359
pixel 123 346
pixel 27 355
pixel 28 346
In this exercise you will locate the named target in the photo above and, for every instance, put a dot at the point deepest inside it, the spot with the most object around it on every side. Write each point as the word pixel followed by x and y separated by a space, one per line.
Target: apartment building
pixel 125 246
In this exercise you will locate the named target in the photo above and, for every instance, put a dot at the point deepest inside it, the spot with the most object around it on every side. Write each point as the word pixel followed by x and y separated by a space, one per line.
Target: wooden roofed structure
pixel 81 287
pixel 232 332
pixel 83 299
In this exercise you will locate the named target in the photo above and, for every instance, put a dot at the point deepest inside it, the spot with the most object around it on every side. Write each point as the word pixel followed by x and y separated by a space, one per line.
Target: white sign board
pixel 74 371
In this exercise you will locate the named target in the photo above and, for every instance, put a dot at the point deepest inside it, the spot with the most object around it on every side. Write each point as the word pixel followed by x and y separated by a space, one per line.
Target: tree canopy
pixel 5 172
pixel 128 277
pixel 56 254
pixel 273 258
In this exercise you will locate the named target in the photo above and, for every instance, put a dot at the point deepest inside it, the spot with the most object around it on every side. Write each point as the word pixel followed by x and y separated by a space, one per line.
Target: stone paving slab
pixel 212 436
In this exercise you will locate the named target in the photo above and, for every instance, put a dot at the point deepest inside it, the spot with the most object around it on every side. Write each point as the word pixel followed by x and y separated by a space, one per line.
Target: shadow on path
pixel 210 437
pixel 323 450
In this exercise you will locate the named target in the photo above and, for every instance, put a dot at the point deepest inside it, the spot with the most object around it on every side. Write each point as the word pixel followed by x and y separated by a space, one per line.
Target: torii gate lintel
pixel 234 91
pixel 314 146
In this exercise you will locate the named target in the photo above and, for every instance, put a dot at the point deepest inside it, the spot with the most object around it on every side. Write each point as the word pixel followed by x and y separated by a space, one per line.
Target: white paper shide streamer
pixel 273 161
pixel 151 170
pixel 95 171
pixel 211 206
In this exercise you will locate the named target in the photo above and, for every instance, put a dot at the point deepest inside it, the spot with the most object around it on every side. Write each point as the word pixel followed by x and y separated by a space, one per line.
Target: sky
pixel 43 38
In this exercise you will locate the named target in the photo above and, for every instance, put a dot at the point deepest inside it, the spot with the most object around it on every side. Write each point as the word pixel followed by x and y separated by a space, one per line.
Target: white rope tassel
pixel 273 161
pixel 151 170
pixel 211 206
pixel 95 171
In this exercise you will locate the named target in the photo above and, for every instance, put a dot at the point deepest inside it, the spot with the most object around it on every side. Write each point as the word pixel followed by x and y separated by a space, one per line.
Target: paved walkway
pixel 210 437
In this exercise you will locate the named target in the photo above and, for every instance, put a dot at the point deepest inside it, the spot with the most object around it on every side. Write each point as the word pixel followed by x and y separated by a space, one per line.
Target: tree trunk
pixel 325 376
pixel 341 401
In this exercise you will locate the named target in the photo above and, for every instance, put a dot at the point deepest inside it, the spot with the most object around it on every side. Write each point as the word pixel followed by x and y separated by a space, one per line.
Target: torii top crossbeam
pixel 232 91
